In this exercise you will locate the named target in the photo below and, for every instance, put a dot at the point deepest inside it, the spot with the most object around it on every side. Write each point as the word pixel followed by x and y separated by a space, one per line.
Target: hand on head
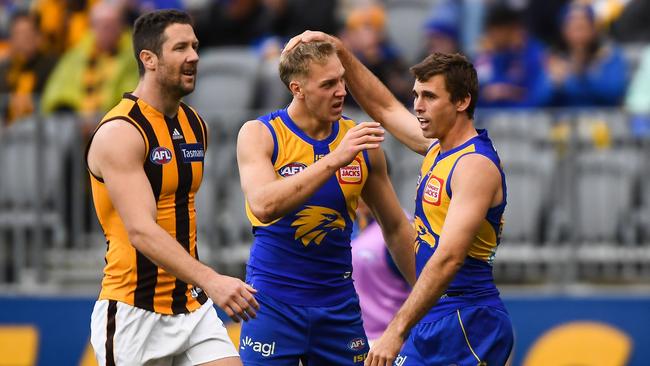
pixel 309 36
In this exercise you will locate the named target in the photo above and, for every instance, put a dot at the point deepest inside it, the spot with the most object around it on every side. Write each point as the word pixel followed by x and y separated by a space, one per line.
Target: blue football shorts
pixel 282 334
pixel 471 336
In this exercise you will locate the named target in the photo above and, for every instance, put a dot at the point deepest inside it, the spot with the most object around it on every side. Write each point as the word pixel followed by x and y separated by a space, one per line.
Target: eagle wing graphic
pixel 313 223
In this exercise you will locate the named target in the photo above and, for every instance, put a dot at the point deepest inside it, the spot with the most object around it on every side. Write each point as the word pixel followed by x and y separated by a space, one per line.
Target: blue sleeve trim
pixel 432 145
pixel 367 158
pixel 267 123
pixel 451 172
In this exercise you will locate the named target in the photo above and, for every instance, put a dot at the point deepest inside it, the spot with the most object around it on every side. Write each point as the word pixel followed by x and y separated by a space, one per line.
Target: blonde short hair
pixel 296 62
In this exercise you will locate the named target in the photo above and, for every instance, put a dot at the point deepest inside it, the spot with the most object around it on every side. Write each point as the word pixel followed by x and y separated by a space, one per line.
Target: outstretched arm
pixel 270 197
pixel 372 95
pixel 476 185
pixel 117 155
pixel 379 195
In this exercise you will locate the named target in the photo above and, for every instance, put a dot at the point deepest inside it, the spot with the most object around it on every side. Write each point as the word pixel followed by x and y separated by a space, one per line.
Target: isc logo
pixel 160 155
pixel 291 169
pixel 360 358
pixel 357 344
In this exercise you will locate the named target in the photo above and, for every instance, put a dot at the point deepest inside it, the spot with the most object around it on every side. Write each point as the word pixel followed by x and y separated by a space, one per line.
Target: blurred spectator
pixel 471 25
pixel 364 36
pixel 510 63
pixel 586 71
pixel 133 8
pixel 24 72
pixel 442 29
pixel 637 101
pixel 232 22
pixel 63 23
pixel 7 9
pixel 633 25
pixel 543 19
pixel 606 11
pixel 151 5
pixel 92 76
pixel 292 17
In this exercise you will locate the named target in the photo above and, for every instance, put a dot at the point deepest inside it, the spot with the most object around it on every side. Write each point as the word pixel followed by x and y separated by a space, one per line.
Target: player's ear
pixel 149 59
pixel 296 89
pixel 463 104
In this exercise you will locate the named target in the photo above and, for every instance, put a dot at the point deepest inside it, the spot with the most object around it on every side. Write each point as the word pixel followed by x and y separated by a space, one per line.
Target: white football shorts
pixel 125 335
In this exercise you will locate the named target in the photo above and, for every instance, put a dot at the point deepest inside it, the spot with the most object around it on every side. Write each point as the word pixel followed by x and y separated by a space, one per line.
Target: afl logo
pixel 357 344
pixel 291 169
pixel 160 155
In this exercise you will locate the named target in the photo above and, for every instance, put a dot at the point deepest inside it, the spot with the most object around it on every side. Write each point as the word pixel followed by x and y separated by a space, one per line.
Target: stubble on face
pixel 174 68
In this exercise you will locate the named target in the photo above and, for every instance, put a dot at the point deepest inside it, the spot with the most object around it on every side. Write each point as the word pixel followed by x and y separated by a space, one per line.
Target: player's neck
pixel 154 96
pixel 310 125
pixel 461 132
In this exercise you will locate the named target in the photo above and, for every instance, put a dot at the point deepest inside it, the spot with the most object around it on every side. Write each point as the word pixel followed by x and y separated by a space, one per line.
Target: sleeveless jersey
pixel 304 258
pixel 174 167
pixel 473 283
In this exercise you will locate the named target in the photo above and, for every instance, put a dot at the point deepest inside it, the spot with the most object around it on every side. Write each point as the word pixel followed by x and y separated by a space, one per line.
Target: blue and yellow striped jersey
pixel 473 283
pixel 304 258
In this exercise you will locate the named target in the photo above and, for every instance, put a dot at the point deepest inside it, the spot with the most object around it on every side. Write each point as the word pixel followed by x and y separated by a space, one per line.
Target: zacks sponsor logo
pixel 432 191
pixel 352 173
pixel 265 349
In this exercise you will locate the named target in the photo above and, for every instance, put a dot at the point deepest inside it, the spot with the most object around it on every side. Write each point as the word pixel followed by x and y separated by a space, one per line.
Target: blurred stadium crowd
pixel 565 94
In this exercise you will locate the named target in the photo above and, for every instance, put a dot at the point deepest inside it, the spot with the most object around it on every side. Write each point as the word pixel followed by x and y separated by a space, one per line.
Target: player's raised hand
pixel 234 296
pixel 309 36
pixel 364 136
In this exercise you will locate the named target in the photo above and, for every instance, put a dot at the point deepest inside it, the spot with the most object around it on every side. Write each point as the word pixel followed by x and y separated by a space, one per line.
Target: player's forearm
pixel 279 197
pixel 157 245
pixel 371 94
pixel 375 98
pixel 432 283
pixel 400 246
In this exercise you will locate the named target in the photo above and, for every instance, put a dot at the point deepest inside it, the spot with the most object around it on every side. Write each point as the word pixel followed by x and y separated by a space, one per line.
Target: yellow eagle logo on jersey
pixel 424 236
pixel 315 222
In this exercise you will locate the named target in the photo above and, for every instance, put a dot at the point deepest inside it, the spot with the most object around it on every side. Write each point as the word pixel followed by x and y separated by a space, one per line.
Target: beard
pixel 171 81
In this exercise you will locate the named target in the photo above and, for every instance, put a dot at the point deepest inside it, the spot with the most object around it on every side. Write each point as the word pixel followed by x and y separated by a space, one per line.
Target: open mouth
pixel 423 122
pixel 337 105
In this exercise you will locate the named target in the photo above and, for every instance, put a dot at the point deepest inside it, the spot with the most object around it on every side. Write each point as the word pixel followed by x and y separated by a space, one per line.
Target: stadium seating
pixel 227 78
pixel 32 155
pixel 405 27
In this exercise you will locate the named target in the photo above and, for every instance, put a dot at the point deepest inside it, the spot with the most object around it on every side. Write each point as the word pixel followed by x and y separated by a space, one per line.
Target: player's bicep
pixel 474 185
pixel 117 152
pixel 254 150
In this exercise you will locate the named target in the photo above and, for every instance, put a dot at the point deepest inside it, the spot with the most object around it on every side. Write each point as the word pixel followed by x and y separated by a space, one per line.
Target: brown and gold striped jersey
pixel 175 148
